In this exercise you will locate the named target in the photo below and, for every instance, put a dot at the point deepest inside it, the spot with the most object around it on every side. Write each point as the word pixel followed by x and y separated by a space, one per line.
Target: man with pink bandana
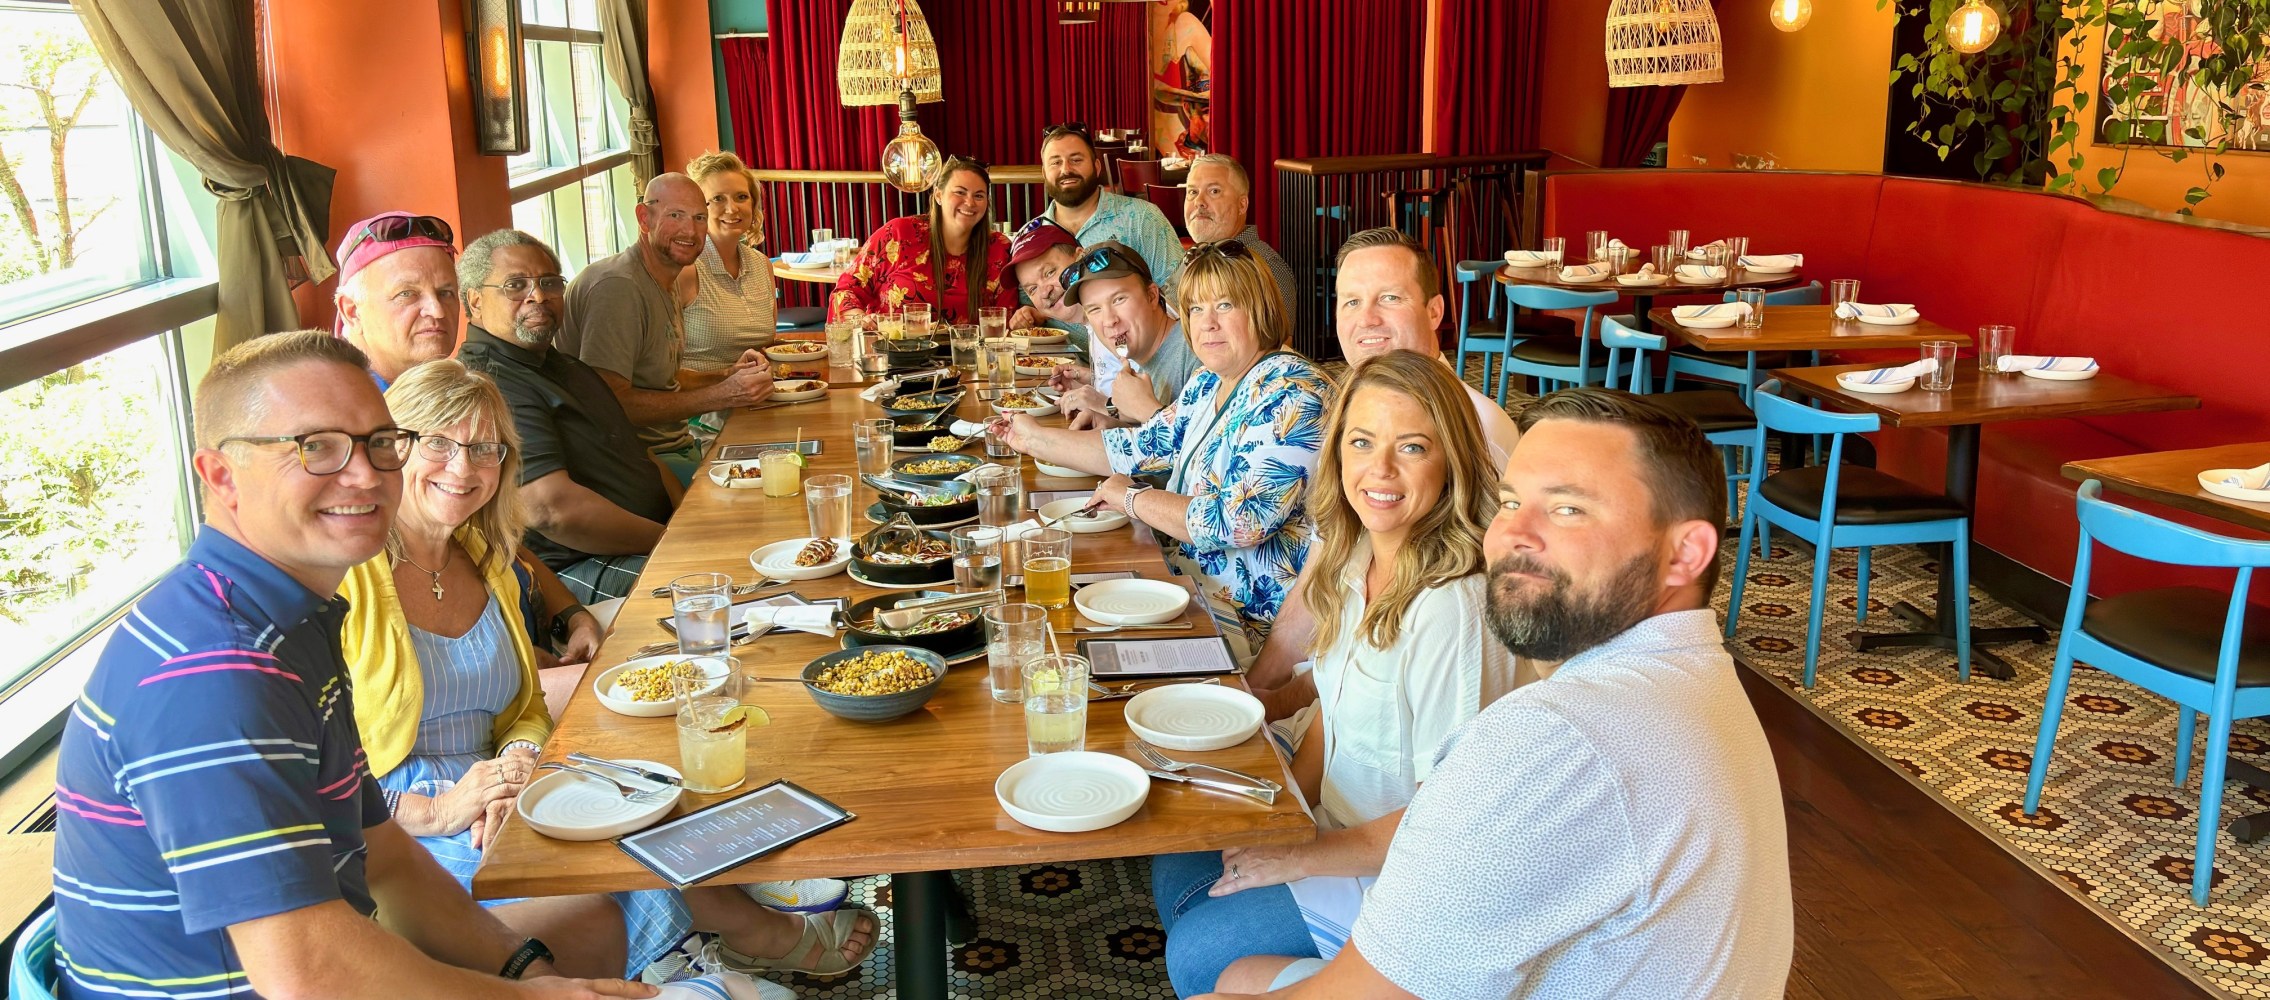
pixel 397 297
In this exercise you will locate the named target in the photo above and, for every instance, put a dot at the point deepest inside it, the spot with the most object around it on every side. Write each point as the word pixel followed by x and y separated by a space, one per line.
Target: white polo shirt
pixel 1497 428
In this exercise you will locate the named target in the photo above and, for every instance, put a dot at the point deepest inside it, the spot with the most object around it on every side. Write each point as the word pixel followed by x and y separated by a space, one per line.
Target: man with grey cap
pixel 1126 315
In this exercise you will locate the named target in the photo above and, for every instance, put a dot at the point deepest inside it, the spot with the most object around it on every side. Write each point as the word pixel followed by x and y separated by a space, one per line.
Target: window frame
pixel 547 181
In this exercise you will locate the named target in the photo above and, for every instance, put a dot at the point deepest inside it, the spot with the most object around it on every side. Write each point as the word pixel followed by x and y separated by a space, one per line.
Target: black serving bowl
pixel 962 464
pixel 946 514
pixel 897 406
pixel 946 643
pixel 874 708
pixel 939 571
pixel 905 353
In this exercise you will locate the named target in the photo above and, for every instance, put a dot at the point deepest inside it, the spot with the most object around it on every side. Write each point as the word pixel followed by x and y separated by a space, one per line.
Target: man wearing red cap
pixel 397 297
pixel 1037 258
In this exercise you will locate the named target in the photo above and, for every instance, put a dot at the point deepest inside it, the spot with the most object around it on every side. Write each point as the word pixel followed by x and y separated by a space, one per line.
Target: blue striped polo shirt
pixel 210 775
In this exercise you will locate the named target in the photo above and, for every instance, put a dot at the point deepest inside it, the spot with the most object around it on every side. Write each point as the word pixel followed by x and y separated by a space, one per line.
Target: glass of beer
pixel 713 746
pixel 783 472
pixel 1048 567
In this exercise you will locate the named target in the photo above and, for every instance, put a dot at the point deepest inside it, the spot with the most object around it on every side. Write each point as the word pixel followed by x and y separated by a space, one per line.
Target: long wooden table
pixel 922 785
pixel 1803 328
pixel 1643 296
pixel 2172 478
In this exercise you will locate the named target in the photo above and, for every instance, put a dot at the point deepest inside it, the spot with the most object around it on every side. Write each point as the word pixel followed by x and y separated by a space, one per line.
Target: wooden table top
pixel 1737 278
pixel 2172 478
pixel 1803 328
pixel 821 275
pixel 1980 398
pixel 922 785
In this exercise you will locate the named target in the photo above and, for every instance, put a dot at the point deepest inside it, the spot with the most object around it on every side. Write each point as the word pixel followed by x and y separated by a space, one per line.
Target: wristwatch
pixel 560 621
pixel 1127 503
pixel 526 955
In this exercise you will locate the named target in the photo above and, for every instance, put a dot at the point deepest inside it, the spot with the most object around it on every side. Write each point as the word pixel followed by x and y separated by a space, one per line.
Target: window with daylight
pixel 574 187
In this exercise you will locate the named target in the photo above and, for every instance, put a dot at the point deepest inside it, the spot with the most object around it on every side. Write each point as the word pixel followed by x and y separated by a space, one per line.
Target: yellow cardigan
pixel 389 690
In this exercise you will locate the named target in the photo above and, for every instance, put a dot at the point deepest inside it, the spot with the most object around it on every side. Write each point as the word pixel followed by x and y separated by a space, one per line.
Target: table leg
pixel 919 902
pixel 1938 629
pixel 1642 304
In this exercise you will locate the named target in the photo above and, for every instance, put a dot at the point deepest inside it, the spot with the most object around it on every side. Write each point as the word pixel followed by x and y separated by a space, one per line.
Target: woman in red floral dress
pixel 936 258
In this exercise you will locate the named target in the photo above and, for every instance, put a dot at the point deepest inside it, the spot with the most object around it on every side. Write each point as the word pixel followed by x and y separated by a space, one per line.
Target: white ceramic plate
pixel 1041 339
pixel 1046 409
pixel 1707 323
pixel 1104 519
pixel 818 389
pixel 604 686
pixel 1901 385
pixel 1906 320
pixel 1529 258
pixel 749 482
pixel 1059 471
pixel 2212 481
pixel 788 353
pixel 778 560
pixel 1131 602
pixel 1072 792
pixel 1045 368
pixel 1768 269
pixel 1641 279
pixel 1194 718
pixel 564 805
pixel 2080 376
pixel 817 265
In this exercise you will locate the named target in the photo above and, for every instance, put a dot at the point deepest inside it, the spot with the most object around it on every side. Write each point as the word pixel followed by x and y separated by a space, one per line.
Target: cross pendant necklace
pixel 446 552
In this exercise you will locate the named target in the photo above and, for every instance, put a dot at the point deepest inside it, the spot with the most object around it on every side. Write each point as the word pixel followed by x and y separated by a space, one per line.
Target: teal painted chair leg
pixel 2186 720
pixel 1821 552
pixel 1741 574
pixel 2060 674
pixel 1962 603
pixel 1862 576
pixel 2211 796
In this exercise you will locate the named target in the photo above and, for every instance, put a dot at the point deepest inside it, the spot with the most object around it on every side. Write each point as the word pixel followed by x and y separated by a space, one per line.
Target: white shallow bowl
pixel 1059 471
pixel 564 805
pixel 604 684
pixel 2212 481
pixel 2080 376
pixel 1194 718
pixel 1642 279
pixel 1132 602
pixel 1104 519
pixel 791 352
pixel 1707 323
pixel 778 560
pixel 1901 385
pixel 1072 792
pixel 1044 368
pixel 749 482
pixel 1046 409
pixel 819 388
pixel 1036 339
pixel 1904 320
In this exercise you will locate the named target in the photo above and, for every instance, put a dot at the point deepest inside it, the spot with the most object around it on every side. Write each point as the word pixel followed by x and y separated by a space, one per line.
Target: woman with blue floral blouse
pixel 1236 449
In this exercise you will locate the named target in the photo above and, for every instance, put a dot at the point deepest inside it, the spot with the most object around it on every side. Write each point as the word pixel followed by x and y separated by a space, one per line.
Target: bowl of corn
pixel 645 687
pixel 874 683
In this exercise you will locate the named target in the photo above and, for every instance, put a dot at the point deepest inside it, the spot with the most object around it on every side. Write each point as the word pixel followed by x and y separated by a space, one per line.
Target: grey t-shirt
pixel 1171 366
pixel 619 320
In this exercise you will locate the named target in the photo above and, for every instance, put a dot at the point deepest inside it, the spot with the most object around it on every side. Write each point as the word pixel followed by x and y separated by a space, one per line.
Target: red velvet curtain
pixel 1314 78
pixel 1489 76
pixel 1638 118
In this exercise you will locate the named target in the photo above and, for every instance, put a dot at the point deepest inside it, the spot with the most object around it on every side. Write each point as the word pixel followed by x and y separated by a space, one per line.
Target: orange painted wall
pixel 679 72
pixel 1814 98
pixel 2243 195
pixel 1575 112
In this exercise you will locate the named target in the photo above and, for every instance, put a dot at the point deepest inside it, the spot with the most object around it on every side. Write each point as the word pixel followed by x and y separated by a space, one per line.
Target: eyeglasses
pixel 1086 264
pixel 1225 248
pixel 324 453
pixel 1037 223
pixel 442 451
pixel 389 228
pixel 517 288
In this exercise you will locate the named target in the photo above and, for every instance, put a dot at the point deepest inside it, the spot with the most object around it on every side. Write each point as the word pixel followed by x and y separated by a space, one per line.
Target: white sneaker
pixel 804 895
pixel 726 986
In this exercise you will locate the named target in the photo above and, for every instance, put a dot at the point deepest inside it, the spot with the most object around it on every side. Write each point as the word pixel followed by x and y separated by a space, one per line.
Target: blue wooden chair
pixel 1720 366
pixel 1480 333
pixel 1725 420
pixel 2190 645
pixel 31 975
pixel 1837 506
pixel 1555 361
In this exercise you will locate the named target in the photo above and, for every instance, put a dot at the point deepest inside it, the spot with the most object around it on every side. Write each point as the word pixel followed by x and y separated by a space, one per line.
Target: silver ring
pixel 1233 872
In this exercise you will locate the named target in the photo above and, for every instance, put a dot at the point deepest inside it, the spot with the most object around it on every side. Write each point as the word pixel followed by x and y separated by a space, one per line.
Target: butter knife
pixel 1266 796
pixel 653 776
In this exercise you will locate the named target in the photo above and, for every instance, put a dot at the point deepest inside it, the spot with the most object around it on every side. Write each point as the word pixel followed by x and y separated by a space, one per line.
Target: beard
pixel 532 336
pixel 1561 623
pixel 1076 195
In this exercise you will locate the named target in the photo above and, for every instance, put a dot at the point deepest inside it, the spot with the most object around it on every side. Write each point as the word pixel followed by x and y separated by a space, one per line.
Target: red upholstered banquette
pixel 2164 302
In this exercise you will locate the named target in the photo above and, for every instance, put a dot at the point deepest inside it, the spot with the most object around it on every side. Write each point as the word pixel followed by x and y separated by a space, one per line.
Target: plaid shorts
pixel 603 578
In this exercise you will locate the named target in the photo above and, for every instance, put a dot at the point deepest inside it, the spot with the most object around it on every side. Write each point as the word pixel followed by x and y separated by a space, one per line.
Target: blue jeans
pixel 1206 933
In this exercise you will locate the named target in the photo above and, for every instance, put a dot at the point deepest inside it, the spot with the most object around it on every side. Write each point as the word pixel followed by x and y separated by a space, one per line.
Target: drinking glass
pixel 1048 567
pixel 1941 378
pixel 1620 259
pixel 1714 256
pixel 841 334
pixel 999 450
pixel 1001 360
pixel 890 326
pixel 872 440
pixel 1056 703
pixel 917 316
pixel 1678 242
pixel 1843 290
pixel 1755 298
pixel 1552 247
pixel 1737 247
pixel 977 558
pixel 964 341
pixel 1015 634
pixel 992 321
pixel 713 756
pixel 844 254
pixel 701 608
pixel 1994 341
pixel 1000 496
pixel 1595 245
pixel 820 236
pixel 783 471
pixel 827 502
pixel 1664 258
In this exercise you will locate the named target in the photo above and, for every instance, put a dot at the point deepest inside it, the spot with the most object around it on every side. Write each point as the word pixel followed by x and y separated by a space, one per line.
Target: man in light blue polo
pixel 1079 203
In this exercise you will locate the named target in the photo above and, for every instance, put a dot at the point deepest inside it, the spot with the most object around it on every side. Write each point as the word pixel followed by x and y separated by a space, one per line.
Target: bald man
pixel 623 321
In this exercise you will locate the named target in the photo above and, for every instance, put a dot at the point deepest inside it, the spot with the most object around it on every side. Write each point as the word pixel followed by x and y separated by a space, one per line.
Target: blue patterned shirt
pixel 1140 225
pixel 1246 471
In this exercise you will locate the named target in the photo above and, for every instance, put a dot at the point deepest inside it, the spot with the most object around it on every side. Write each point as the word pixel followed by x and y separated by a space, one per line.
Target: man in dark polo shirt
pixel 597 500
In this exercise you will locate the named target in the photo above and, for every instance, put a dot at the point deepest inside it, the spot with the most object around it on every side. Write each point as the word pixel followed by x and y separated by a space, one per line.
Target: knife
pixel 652 776
pixel 1263 795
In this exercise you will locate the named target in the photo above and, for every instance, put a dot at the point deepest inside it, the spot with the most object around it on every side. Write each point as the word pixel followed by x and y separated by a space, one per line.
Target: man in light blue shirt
pixel 1079 203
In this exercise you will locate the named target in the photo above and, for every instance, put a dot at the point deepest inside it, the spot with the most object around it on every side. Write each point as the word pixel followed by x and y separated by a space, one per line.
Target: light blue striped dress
pixel 468 681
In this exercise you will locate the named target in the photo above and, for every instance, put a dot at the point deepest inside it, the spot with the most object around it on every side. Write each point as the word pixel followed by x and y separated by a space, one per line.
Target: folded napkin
pixel 817 619
pixel 1701 272
pixel 809 258
pixel 1773 260
pixel 1531 258
pixel 971 475
pixel 2256 478
pixel 1855 310
pixel 1616 244
pixel 725 986
pixel 1645 272
pixel 1915 369
pixel 966 428
pixel 1715 310
pixel 1584 272
pixel 2039 363
pixel 1699 252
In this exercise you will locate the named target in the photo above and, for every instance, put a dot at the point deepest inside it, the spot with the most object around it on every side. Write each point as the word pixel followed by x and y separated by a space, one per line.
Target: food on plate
pixel 948 442
pixel 654 682
pixel 798 385
pixel 1022 401
pixel 943 621
pixel 741 470
pixel 816 552
pixel 881 672
pixel 936 466
pixel 800 348
pixel 931 500
pixel 1041 361
pixel 920 402
pixel 927 550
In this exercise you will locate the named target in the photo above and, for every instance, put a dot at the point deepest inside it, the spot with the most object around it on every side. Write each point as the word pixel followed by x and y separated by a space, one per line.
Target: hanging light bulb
pixel 910 159
pixel 1973 27
pixel 1790 15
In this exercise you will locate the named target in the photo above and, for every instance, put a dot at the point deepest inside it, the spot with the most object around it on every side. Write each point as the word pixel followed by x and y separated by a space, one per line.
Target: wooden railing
pixel 1463 207
pixel 854 203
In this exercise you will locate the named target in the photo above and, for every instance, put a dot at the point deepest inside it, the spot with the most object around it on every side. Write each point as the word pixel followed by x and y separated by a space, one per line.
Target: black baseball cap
pixel 1109 259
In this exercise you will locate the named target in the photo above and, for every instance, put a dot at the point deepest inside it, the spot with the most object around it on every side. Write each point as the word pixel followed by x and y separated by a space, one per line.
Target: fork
pixel 1153 757
pixel 635 796
pixel 739 589
pixel 741 637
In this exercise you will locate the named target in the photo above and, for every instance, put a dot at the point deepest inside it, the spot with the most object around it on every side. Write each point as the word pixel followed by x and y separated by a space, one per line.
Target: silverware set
pixel 1159 765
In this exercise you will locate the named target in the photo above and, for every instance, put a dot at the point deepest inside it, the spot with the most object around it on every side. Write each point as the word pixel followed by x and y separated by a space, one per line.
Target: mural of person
pixel 1182 76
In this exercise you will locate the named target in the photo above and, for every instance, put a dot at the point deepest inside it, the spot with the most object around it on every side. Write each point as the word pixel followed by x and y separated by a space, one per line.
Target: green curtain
pixel 189 69
pixel 623 44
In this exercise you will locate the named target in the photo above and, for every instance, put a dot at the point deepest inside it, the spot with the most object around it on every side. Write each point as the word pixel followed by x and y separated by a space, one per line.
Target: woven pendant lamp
pixel 1656 43
pixel 867 63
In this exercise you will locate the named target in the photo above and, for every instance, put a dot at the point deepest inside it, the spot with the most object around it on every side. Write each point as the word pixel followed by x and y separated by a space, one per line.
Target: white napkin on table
pixel 2041 363
pixel 1892 310
pixel 1913 369
pixel 1531 258
pixel 1583 272
pixel 817 619
pixel 1715 310
pixel 1700 272
pixel 1773 260
pixel 1700 251
pixel 2250 479
pixel 1616 244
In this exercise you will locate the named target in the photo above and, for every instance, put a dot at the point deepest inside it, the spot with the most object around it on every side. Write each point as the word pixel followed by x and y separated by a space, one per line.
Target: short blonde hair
pixel 1244 282
pixel 715 162
pixel 440 393
pixel 232 396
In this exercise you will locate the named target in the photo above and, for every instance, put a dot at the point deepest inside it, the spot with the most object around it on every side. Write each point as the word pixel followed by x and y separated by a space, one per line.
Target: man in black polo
pixel 596 499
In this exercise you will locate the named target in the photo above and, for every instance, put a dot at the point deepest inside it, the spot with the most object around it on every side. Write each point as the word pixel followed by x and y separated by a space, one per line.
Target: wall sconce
pixel 500 113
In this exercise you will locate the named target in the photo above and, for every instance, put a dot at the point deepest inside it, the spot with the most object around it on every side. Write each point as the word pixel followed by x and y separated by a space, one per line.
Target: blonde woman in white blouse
pixel 1401 658
pixel 727 296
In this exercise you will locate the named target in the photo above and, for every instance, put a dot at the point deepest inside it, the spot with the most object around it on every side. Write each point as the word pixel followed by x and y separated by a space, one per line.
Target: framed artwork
pixel 2181 108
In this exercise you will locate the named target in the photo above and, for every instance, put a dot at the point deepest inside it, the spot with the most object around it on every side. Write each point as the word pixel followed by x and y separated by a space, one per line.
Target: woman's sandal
pixel 826 931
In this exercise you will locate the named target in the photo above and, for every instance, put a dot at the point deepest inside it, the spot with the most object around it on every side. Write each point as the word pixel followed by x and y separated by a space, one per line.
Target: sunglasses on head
pixel 1086 264
pixel 1225 248
pixel 1036 223
pixel 389 228
pixel 1068 128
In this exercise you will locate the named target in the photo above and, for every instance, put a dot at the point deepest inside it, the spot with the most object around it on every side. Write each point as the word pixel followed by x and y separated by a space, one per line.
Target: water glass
pixel 872 440
pixel 992 321
pixel 844 254
pixel 917 318
pixel 783 472
pixel 1994 341
pixel 1843 290
pixel 827 501
pixel 1553 247
pixel 713 755
pixel 701 608
pixel 1941 378
pixel 842 334
pixel 1755 298
pixel 964 340
pixel 1048 567
pixel 1664 258
pixel 977 558
pixel 1000 364
pixel 1000 496
pixel 1596 245
pixel 999 450
pixel 1015 634
pixel 1737 247
pixel 1678 242
pixel 822 236
pixel 1056 703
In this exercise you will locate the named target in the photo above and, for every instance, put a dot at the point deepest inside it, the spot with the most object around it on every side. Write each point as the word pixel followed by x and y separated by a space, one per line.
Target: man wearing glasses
pixel 1079 202
pixel 596 499
pixel 217 830
pixel 397 298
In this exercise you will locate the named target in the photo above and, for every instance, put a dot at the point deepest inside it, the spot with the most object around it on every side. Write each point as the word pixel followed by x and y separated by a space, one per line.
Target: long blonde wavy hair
pixel 1445 543
pixel 440 393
